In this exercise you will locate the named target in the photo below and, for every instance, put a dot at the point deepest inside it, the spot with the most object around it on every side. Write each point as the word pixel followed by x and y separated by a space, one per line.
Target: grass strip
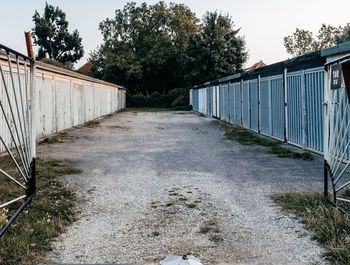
pixel 246 137
pixel 329 226
pixel 51 211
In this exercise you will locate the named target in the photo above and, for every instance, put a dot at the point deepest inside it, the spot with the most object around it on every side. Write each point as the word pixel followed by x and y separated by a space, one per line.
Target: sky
pixel 263 23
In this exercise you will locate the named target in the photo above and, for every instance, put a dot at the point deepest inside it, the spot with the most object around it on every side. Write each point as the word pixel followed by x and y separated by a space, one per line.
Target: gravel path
pixel 169 183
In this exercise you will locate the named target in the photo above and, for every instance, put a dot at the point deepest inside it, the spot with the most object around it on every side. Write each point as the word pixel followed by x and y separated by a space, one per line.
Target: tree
pixel 216 51
pixel 302 41
pixel 51 34
pixel 145 46
pixel 344 35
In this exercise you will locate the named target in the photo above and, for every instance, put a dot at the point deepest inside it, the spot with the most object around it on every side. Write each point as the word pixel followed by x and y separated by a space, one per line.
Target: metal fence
pixel 37 100
pixel 16 134
pixel 284 101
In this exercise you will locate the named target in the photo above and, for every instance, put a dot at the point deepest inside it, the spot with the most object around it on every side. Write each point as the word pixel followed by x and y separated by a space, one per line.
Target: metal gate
pixel 17 138
pixel 337 134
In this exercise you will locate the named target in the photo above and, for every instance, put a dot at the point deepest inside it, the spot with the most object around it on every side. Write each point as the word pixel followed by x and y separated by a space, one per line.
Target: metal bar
pixel 12 201
pixel 343 199
pixel 32 109
pixel 26 144
pixel 9 50
pixel 343 154
pixel 337 115
pixel 334 143
pixel 14 216
pixel 12 114
pixel 13 179
pixel 13 138
pixel 341 173
pixel 27 105
pixel 17 107
pixel 333 161
pixel 13 158
pixel 325 178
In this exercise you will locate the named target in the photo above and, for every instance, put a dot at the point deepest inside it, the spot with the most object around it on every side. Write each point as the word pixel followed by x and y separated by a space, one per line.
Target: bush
pixel 175 98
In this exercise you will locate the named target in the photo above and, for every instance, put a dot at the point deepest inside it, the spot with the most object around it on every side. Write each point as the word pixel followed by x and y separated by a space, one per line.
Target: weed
pixel 216 238
pixel 246 137
pixel 155 233
pixel 204 229
pixel 182 199
pixel 328 225
pixel 191 205
pixel 57 138
pixel 51 211
pixel 91 124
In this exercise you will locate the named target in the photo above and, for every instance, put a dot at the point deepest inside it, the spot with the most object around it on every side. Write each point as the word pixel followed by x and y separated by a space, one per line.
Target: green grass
pixel 329 226
pixel 52 210
pixel 246 137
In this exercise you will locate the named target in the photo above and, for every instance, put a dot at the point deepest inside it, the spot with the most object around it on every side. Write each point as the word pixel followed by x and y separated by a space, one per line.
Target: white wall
pixel 64 99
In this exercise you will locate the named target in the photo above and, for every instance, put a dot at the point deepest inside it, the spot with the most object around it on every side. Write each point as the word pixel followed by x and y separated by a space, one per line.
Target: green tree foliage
pixel 148 48
pixel 302 41
pixel 216 51
pixel 144 47
pixel 344 35
pixel 51 34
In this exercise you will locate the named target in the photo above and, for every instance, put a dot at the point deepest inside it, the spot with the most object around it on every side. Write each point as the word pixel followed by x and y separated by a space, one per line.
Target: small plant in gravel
pixel 191 205
pixel 168 204
pixel 91 124
pixel 328 225
pixel 216 238
pixel 57 138
pixel 203 229
pixel 155 233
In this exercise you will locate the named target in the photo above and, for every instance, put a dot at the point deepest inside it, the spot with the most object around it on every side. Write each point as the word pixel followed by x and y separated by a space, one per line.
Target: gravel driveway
pixel 169 183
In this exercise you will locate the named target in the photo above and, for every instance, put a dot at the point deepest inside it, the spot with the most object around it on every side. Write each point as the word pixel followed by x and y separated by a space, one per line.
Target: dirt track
pixel 169 183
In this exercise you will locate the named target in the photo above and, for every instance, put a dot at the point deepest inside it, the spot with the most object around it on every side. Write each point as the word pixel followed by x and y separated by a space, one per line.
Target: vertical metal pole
pixel 259 106
pixel 32 180
pixel 241 94
pixel 326 134
pixel 303 100
pixel 325 178
pixel 285 83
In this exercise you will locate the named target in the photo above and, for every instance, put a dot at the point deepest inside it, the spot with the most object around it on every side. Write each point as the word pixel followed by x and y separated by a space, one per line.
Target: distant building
pixel 85 69
pixel 255 66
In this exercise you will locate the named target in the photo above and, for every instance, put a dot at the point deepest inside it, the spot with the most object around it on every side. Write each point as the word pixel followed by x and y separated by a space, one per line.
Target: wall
pixel 284 101
pixel 63 98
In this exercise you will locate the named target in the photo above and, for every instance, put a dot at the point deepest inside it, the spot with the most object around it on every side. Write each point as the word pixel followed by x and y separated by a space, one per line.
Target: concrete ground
pixel 169 183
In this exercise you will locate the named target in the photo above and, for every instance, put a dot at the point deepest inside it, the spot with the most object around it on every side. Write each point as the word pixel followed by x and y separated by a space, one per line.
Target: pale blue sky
pixel 262 22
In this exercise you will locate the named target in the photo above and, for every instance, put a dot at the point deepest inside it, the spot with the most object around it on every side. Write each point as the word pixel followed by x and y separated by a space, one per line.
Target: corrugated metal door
pixel 245 105
pixel 210 103
pixel 314 88
pixel 224 99
pixel 237 118
pixel 277 108
pixel 254 105
pixel 295 109
pixel 232 103
pixel 265 107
